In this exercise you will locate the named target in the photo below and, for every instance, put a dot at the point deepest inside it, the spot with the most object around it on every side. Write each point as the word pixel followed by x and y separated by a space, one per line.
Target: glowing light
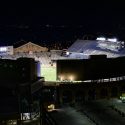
pixel 51 107
pixel 122 97
pixel 101 38
pixel 71 78
pixel 12 122
pixel 112 40
pixel 67 53
pixel 3 49
pixel 25 116
pixel 61 78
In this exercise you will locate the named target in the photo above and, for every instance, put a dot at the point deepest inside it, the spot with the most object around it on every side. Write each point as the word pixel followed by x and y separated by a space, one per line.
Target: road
pixel 70 116
pixel 101 113
pixel 97 112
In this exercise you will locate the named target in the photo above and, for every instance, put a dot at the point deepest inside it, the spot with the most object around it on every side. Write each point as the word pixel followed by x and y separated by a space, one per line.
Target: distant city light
pixel 101 38
pixel 112 40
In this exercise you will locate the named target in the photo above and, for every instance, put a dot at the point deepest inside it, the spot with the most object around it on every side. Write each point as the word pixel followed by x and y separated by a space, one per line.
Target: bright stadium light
pixel 71 78
pixel 101 38
pixel 67 53
pixel 61 78
pixel 3 49
pixel 112 40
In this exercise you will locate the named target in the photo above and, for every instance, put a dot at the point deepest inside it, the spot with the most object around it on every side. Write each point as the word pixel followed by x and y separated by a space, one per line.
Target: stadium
pixel 80 49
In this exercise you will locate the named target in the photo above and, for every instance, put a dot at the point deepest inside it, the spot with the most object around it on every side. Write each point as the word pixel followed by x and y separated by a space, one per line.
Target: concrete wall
pixel 78 93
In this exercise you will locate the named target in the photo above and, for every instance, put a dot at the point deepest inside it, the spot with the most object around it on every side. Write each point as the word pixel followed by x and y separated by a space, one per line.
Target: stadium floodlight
pixel 71 78
pixel 112 40
pixel 101 38
pixel 3 49
pixel 67 53
pixel 61 77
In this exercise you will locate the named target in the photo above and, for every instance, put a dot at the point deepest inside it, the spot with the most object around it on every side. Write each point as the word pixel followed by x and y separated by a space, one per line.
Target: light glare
pixel 101 38
pixel 3 49
pixel 67 53
pixel 71 78
pixel 112 40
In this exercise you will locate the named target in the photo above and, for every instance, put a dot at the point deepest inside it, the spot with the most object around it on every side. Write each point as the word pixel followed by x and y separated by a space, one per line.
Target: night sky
pixel 60 21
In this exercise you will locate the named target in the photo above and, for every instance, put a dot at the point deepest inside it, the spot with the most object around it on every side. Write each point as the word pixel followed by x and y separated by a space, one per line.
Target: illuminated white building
pixel 6 50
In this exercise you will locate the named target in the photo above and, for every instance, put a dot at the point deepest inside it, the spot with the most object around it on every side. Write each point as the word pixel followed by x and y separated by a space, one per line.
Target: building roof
pixel 22 42
pixel 30 45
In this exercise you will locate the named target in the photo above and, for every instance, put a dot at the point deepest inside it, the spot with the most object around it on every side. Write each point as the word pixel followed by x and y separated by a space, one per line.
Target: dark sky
pixel 78 12
pixel 80 17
